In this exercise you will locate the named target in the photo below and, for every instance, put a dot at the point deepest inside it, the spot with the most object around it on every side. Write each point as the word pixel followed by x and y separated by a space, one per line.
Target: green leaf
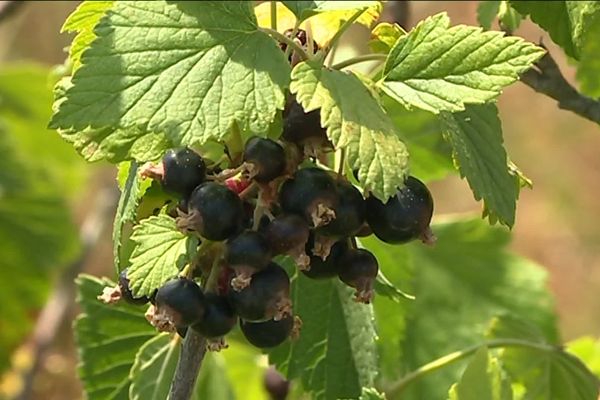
pixel 587 349
pixel 421 131
pixel 153 369
pixel 546 372
pixel 173 68
pixel 371 394
pixel 244 368
pixel 510 19
pixel 335 355
pixel 355 122
pixel 462 282
pixel 383 37
pixel 213 382
pixel 130 196
pixel 482 380
pixel 487 10
pixel 391 310
pixel 567 22
pixel 160 252
pixel 438 68
pixel 83 20
pixel 588 71
pixel 305 9
pixel 476 138
pixel 108 337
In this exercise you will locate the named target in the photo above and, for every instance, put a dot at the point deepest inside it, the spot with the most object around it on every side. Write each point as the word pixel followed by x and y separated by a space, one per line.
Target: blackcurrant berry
pixel 266 159
pixel 267 295
pixel 269 333
pixel 358 269
pixel 311 194
pixel 287 233
pixel 245 254
pixel 184 169
pixel 405 216
pixel 275 384
pixel 219 317
pixel 349 213
pixel 329 267
pixel 126 293
pixel 214 211
pixel 300 127
pixel 183 300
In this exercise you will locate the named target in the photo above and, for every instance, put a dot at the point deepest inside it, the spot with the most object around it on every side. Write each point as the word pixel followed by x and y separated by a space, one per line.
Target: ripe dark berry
pixel 275 384
pixel 184 169
pixel 311 194
pixel 183 300
pixel 266 159
pixel 266 297
pixel 349 213
pixel 404 217
pixel 358 269
pixel 288 234
pixel 245 254
pixel 329 267
pixel 126 293
pixel 303 128
pixel 269 333
pixel 214 211
pixel 219 317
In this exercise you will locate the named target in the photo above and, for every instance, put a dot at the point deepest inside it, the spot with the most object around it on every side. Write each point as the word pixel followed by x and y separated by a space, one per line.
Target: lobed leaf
pixel 476 138
pixel 152 372
pixel 384 36
pixel 108 338
pixel 355 122
pixel 440 68
pixel 169 67
pixel 160 252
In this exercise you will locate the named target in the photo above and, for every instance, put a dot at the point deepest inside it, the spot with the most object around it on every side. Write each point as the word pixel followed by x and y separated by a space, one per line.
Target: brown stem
pixel 547 79
pixel 188 367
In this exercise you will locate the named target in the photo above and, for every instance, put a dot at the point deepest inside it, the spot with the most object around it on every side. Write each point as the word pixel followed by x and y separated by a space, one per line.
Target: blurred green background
pixel 557 222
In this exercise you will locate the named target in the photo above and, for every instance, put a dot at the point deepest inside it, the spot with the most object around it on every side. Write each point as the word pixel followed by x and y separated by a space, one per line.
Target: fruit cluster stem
pixel 188 367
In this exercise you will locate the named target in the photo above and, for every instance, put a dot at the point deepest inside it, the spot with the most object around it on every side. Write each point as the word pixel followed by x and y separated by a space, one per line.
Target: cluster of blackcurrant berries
pixel 276 198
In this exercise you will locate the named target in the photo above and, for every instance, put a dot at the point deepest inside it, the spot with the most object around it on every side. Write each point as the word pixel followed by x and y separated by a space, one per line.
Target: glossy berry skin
pixel 184 169
pixel 126 293
pixel 249 248
pixel 216 212
pixel 267 158
pixel 269 333
pixel 309 189
pixel 261 299
pixel 328 268
pixel 219 317
pixel 358 269
pixel 349 213
pixel 405 216
pixel 184 301
pixel 286 232
pixel 299 126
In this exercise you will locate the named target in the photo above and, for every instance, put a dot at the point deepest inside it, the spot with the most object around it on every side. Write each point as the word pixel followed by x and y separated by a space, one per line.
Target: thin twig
pixel 547 79
pixel 188 367
pixel 61 301
pixel 290 42
pixel 359 59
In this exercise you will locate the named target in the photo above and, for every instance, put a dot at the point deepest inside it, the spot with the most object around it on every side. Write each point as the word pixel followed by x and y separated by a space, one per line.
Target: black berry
pixel 184 169
pixel 219 317
pixel 300 127
pixel 358 269
pixel 311 194
pixel 214 211
pixel 269 333
pixel 267 295
pixel 286 232
pixel 245 254
pixel 126 293
pixel 404 217
pixel 349 213
pixel 183 300
pixel 329 267
pixel 266 157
